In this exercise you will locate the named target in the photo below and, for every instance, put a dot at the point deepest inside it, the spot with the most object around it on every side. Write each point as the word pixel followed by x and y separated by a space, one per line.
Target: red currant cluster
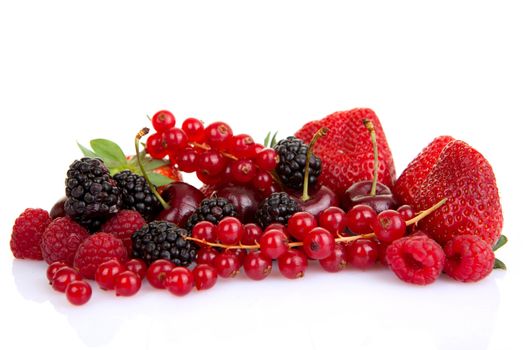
pixel 213 152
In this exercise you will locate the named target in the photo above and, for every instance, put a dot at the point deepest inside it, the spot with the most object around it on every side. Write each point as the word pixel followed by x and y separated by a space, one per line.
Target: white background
pixel 72 71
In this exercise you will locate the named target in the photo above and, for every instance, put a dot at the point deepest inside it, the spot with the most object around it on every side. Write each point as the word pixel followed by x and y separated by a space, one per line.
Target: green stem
pixel 321 132
pixel 370 127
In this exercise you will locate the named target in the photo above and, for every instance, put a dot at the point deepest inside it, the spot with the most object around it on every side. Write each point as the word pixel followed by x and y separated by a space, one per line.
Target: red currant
pixel 292 264
pixel 211 162
pixel 204 230
pixel 155 146
pixel 63 277
pixel 194 129
pixel 138 266
pixel 257 266
pixel 227 264
pixel 362 253
pixel 175 139
pixel 267 159
pixel 209 179
pixel 389 226
pixel 187 160
pixel 274 243
pixel 127 283
pixel 243 171
pixel 319 243
pixel 406 212
pixel 230 231
pixel 179 281
pixel 359 219
pixel 276 226
pixel 163 120
pixel 262 181
pixel 205 276
pixel 300 224
pixel 252 234
pixel 218 135
pixel 242 146
pixel 333 219
pixel 106 272
pixel 78 292
pixel 53 268
pixel 336 261
pixel 157 271
pixel 206 255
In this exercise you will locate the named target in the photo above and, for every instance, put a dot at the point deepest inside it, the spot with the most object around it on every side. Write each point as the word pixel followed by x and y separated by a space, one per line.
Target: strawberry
pixel 346 151
pixel 416 172
pixel 465 178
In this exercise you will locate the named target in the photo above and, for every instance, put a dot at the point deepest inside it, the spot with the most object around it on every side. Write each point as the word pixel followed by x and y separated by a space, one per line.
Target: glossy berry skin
pixel 227 264
pixel 127 283
pixel 262 181
pixel 243 171
pixel 242 146
pixel 359 193
pixel 187 160
pixel 179 281
pixel 292 264
pixel 230 231
pixel 360 218
pixel 336 261
pixel 300 224
pixel 175 139
pixel 257 266
pixel 333 219
pixel 163 120
pixel 211 162
pixel 389 226
pixel 319 243
pixel 53 268
pixel 78 292
pixel 194 129
pixel 155 146
pixel 205 230
pixel 406 212
pixel 218 135
pixel 320 199
pixel 137 266
pixel 362 253
pixel 157 271
pixel 252 234
pixel 63 277
pixel 205 276
pixel 276 226
pixel 206 255
pixel 266 159
pixel 274 243
pixel 106 273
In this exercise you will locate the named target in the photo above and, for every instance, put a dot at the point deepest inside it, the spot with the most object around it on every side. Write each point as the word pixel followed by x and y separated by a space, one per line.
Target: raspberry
pixel 416 259
pixel 468 258
pixel 97 249
pixel 123 225
pixel 61 239
pixel 27 233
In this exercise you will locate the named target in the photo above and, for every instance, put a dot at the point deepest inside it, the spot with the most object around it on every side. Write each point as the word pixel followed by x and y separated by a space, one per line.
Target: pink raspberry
pixel 468 258
pixel 61 240
pixel 95 250
pixel 123 224
pixel 27 233
pixel 416 259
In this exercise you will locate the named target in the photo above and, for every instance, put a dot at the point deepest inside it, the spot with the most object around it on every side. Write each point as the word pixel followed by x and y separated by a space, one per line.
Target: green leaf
pixel 267 139
pixel 500 243
pixel 109 151
pixel 498 264
pixel 274 140
pixel 152 164
pixel 86 151
pixel 158 179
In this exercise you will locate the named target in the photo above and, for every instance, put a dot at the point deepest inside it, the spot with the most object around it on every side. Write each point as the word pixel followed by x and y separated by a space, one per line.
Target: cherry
pixel 389 226
pixel 138 266
pixel 230 231
pixel 155 146
pixel 187 160
pixel 78 292
pixel 300 224
pixel 274 243
pixel 319 243
pixel 227 264
pixel 211 162
pixel 63 277
pixel 205 276
pixel 243 198
pixel 205 230
pixel 257 266
pixel 252 234
pixel 206 255
pixel 317 201
pixel 267 159
pixel 157 271
pixel 362 253
pixel 360 218
pixel 194 129
pixel 127 283
pixel 58 211
pixel 242 146
pixel 333 219
pixel 179 281
pixel 292 264
pixel 336 261
pixel 53 268
pixel 163 120
pixel 183 200
pixel 218 135
pixel 175 139
pixel 406 212
pixel 106 272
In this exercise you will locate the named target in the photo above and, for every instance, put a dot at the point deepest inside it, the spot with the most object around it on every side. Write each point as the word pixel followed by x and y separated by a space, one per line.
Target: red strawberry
pixel 346 151
pixel 416 172
pixel 466 179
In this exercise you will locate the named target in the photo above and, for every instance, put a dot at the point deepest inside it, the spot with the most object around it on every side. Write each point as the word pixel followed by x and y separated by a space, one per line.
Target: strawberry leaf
pixel 87 152
pixel 110 152
pixel 500 243
pixel 158 179
pixel 498 264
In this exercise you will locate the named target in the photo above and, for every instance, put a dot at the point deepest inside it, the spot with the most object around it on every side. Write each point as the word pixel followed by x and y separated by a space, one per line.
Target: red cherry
pixel 78 292
pixel 319 243
pixel 163 120
pixel 179 281
pixel 127 283
pixel 205 276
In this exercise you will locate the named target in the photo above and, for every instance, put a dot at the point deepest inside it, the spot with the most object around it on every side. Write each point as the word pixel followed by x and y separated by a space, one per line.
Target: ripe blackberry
pixel 92 195
pixel 163 240
pixel 277 208
pixel 136 194
pixel 292 163
pixel 212 210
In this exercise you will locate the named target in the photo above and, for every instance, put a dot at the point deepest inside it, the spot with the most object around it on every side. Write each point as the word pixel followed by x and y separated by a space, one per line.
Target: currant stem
pixel 370 127
pixel 207 148
pixel 140 134
pixel 320 133
pixel 426 212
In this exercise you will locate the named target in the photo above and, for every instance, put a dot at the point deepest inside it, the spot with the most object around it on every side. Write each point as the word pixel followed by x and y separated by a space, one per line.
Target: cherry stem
pixel 320 133
pixel 140 134
pixel 370 127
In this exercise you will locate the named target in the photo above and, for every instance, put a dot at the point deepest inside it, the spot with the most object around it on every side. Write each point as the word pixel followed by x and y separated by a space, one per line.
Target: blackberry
pixel 163 240
pixel 212 210
pixel 292 163
pixel 136 194
pixel 277 208
pixel 92 194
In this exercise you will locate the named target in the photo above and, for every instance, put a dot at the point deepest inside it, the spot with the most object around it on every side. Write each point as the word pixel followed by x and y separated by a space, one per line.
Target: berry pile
pixel 325 196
